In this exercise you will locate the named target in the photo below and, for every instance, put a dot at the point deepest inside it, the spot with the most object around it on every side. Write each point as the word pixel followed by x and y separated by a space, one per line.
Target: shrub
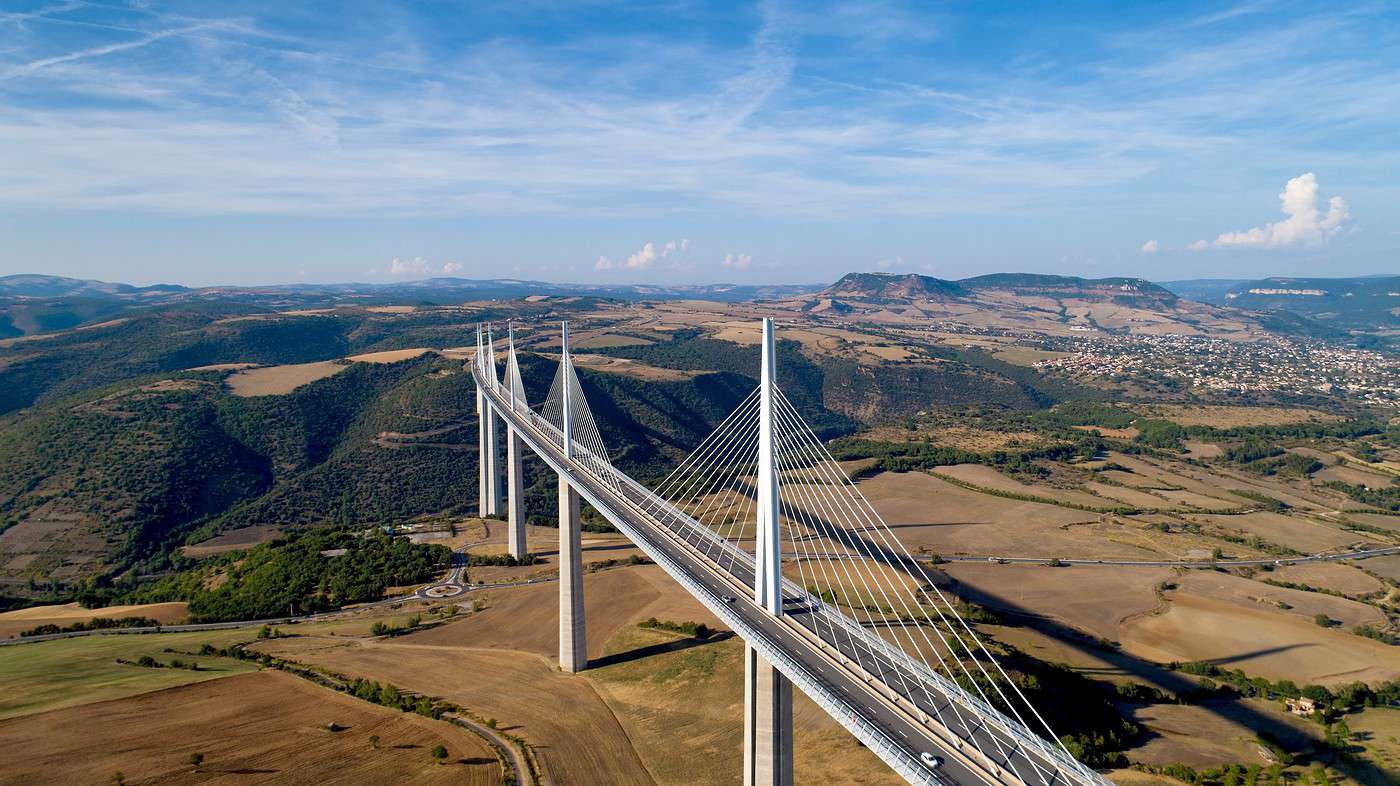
pixel 440 753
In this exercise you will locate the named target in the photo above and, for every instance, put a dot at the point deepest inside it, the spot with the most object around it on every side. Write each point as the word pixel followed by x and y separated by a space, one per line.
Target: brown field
pixel 241 538
pixel 956 436
pixel 1227 416
pixel 607 340
pixel 390 356
pixel 1379 736
pixel 986 477
pixel 1295 532
pixel 1335 576
pixel 1388 567
pixel 1259 640
pixel 1302 604
pixel 1351 473
pixel 631 368
pixel 696 695
pixel 1381 520
pixel 13 622
pixel 935 516
pixel 258 726
pixel 1092 599
pixel 524 693
pixel 1197 736
pixel 1127 496
pixel 1025 356
pixel 279 380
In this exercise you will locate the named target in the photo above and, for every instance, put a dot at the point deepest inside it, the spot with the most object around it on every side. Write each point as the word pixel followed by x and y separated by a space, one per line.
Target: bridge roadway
pixel 829 665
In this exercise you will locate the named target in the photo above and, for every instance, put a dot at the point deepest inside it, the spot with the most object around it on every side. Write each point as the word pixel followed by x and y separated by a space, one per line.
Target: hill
pixel 893 286
pixel 1127 290
pixel 1367 304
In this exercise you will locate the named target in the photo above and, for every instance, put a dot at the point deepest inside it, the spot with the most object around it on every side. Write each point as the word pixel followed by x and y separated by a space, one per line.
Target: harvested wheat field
pixel 1294 532
pixel 527 618
pixel 1230 416
pixel 574 734
pixel 683 710
pixel 1388 566
pixel 13 622
pixel 1335 576
pixel 279 380
pixel 1299 603
pixel 1092 599
pixel 1260 640
pixel 263 727
pixel 933 515
pixel 389 356
pixel 1192 735
pixel 986 477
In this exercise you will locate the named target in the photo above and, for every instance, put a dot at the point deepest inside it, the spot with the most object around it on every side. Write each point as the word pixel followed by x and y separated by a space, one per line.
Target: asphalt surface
pixel 832 662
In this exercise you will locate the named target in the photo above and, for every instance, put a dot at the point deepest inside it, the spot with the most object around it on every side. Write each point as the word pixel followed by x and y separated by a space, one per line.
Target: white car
pixel 931 761
pixel 726 598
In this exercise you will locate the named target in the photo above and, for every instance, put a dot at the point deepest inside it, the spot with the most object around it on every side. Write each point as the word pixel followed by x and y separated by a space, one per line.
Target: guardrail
pixel 987 715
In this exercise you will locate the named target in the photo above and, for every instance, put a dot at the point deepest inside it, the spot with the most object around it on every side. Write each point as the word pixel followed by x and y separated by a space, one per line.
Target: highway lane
pixel 836 665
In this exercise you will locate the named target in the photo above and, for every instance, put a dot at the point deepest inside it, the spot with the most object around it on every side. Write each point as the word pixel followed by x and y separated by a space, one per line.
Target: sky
pixel 590 141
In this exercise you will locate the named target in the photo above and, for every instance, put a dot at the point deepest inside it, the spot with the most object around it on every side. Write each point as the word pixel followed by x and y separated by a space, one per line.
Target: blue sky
pixel 676 141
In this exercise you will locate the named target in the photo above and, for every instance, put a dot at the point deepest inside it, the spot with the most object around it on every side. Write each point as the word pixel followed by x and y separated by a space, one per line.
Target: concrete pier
pixel 573 650
pixel 490 461
pixel 515 496
pixel 767 723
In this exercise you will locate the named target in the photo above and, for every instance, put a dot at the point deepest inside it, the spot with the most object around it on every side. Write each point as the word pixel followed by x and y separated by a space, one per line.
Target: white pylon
pixel 768 574
pixel 568 383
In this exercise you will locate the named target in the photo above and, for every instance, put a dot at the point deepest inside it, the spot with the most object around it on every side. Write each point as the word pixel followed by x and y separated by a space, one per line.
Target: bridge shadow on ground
pixel 658 649
pixel 1126 666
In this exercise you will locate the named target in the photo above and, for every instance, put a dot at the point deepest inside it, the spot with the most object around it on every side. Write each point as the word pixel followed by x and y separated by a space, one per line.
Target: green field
pixel 67 672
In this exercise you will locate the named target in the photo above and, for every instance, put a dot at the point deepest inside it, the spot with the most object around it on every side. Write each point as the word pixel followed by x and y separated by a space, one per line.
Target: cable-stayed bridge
pixel 828 600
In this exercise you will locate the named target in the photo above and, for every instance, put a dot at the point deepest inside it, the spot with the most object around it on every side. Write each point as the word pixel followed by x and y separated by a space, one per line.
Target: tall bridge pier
pixel 767 693
pixel 488 441
pixel 573 649
pixel 515 479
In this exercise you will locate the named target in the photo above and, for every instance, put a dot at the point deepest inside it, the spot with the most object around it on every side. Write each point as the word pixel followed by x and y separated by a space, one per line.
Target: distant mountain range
pixel 1366 308
pixel 32 303
pixel 911 286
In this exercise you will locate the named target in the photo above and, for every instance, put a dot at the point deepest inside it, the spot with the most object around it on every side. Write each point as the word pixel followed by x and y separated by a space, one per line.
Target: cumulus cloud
pixel 416 266
pixel 1199 245
pixel 1306 223
pixel 737 261
pixel 647 257
pixel 1150 247
pixel 451 267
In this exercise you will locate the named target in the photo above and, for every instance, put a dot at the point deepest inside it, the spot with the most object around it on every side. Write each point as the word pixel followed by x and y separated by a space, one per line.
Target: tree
pixel 374 740
pixel 196 759
pixel 440 753
pixel 1322 620
pixel 389 696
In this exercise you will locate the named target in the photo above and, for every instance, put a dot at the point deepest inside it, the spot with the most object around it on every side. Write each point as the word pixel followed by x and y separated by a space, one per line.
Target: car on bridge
pixel 931 761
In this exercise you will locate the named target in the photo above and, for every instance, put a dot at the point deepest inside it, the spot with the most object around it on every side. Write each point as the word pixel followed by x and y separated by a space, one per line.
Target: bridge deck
pixel 890 701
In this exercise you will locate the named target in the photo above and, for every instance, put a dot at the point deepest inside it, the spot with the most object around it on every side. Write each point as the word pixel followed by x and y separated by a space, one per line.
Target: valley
pixel 1186 549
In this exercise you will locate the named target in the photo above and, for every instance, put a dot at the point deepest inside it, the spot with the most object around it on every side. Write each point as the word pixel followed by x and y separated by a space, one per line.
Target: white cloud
pixel 1150 247
pixel 1199 245
pixel 648 256
pixel 416 266
pixel 1305 225
pixel 737 261
pixel 451 267
pixel 886 264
